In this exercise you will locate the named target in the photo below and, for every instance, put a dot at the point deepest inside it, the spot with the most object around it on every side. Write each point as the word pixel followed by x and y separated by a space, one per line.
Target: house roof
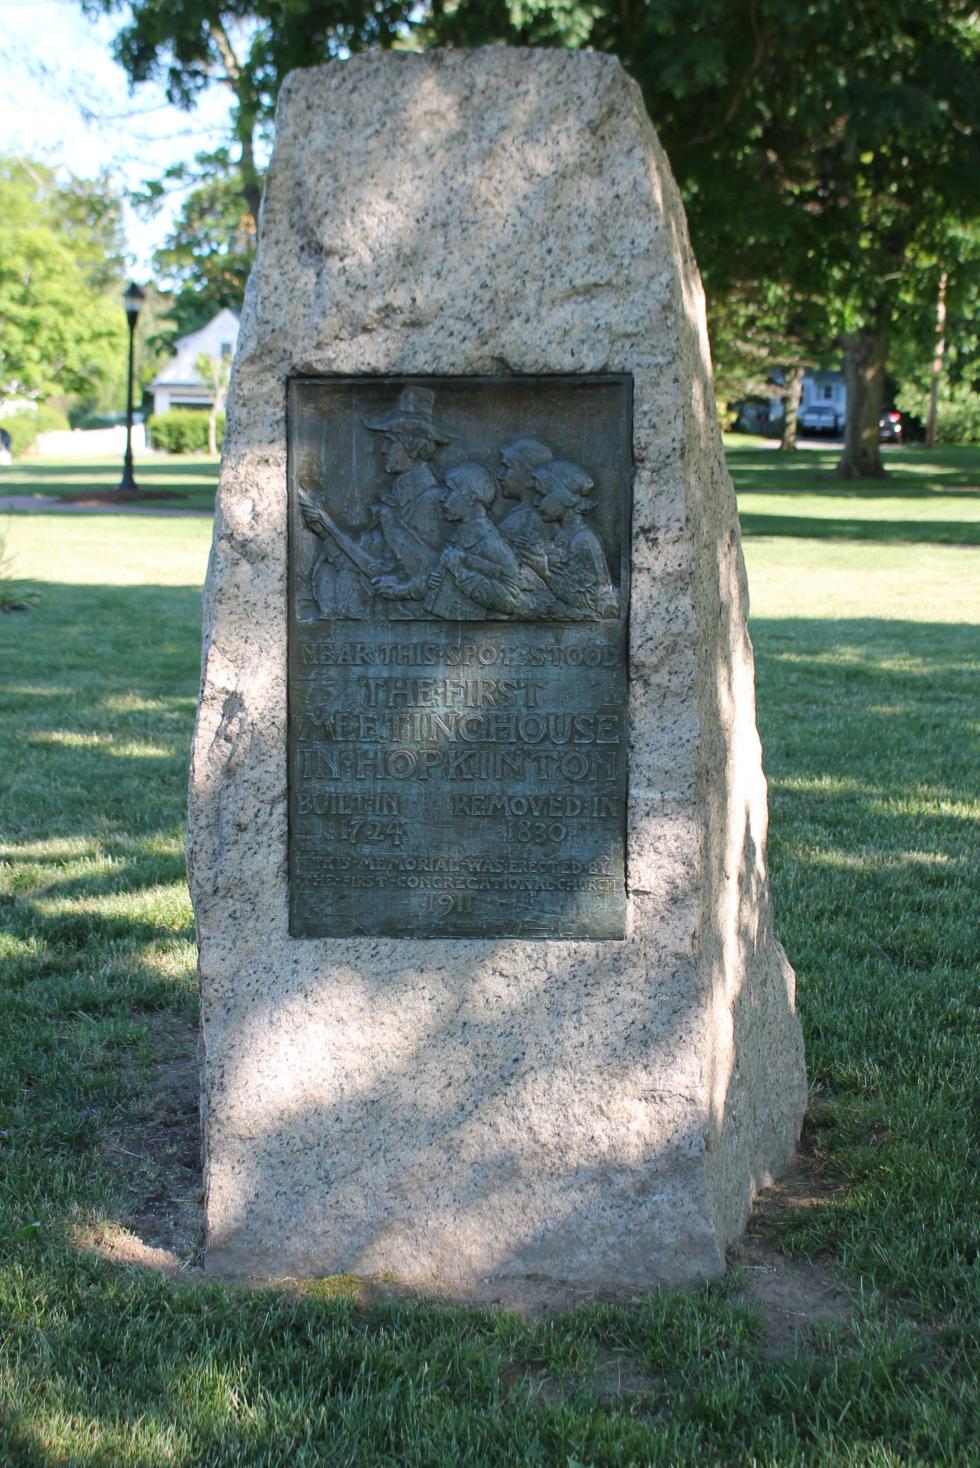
pixel 180 371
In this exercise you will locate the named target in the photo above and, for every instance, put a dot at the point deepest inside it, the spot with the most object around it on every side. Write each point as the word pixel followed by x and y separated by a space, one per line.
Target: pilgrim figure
pixel 574 565
pixel 476 574
pixel 406 528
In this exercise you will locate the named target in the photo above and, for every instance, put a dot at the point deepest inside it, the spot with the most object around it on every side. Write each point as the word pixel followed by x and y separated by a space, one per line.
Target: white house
pixel 819 390
pixel 178 384
pixel 822 389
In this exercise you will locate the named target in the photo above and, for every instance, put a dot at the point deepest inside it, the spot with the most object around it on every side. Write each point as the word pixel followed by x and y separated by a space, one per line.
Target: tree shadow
pixel 812 473
pixel 885 532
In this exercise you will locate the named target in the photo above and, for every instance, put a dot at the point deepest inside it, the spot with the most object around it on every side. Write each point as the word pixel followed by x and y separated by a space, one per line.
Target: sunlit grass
pixel 111 550
pixel 831 581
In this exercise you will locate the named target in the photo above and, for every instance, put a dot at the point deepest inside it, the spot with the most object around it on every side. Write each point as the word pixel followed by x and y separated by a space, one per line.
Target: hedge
pixel 25 426
pixel 182 431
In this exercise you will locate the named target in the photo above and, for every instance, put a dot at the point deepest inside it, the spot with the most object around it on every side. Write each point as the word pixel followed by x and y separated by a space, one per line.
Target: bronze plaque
pixel 458 565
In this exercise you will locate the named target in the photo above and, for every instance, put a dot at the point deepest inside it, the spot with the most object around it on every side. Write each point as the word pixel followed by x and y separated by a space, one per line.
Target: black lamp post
pixel 133 300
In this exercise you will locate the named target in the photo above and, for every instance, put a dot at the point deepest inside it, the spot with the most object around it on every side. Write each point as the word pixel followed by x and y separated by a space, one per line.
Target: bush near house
pixel 182 431
pixel 24 427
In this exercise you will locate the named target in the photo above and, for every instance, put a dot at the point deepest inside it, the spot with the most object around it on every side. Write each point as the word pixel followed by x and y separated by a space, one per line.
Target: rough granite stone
pixel 600 1113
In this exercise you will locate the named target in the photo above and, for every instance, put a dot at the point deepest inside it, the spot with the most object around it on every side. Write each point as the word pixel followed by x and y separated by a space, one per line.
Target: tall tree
pixel 61 330
pixel 763 339
pixel 204 262
pixel 247 48
pixel 825 144
pixel 829 142
pixel 937 365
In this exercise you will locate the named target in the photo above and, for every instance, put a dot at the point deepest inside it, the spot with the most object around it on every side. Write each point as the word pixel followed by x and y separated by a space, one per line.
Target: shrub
pixel 49 419
pixel 957 410
pixel 22 428
pixel 82 418
pixel 13 598
pixel 182 431
pixel 25 426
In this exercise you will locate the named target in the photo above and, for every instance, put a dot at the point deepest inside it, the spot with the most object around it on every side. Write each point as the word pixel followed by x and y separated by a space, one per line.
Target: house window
pixel 828 394
pixel 226 349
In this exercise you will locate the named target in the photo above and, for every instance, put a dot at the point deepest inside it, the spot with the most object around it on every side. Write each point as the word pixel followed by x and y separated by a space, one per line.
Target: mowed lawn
pixel 929 495
pixel 174 481
pixel 868 653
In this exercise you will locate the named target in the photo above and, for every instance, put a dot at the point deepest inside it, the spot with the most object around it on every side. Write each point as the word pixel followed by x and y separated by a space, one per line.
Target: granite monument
pixel 489 984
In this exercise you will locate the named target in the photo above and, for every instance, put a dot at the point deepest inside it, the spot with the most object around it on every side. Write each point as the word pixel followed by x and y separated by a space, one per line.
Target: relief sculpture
pixel 461 541
pixel 457 699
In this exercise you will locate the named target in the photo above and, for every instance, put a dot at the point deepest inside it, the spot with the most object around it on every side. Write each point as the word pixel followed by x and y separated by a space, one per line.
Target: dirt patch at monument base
pixel 161 1228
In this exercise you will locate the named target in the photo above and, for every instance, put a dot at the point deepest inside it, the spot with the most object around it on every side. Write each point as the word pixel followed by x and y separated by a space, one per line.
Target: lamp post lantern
pixel 132 300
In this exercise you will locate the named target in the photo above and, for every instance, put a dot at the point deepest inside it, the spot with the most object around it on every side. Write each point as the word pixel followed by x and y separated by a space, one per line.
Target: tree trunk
pixel 251 181
pixel 865 355
pixel 213 430
pixel 245 114
pixel 791 408
pixel 937 361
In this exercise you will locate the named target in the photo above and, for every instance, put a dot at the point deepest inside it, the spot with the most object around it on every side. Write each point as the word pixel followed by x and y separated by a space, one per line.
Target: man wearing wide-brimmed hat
pixel 410 440
pixel 407 529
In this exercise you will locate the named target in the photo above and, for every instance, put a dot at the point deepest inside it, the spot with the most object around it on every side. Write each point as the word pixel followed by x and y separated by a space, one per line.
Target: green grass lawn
pixel 188 480
pixel 867 679
pixel 929 495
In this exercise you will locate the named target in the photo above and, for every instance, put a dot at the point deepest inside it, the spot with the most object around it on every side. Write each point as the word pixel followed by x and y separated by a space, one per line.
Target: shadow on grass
pixel 913 473
pixel 327 1382
pixel 886 532
pixel 192 484
pixel 97 695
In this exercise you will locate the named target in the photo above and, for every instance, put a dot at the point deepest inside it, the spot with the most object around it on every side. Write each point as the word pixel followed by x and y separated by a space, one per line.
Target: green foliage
pixel 90 220
pixel 204 262
pixel 13 596
pixel 59 331
pixel 247 47
pixel 957 410
pixel 183 430
pixel 830 147
pixel 80 417
pixel 958 418
pixel 827 147
pixel 105 401
pixel 22 428
pixel 50 419
pixel 759 331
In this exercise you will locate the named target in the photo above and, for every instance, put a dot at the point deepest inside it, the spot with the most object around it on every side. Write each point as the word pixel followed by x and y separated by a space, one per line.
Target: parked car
pixel 6 444
pixel 890 426
pixel 821 418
